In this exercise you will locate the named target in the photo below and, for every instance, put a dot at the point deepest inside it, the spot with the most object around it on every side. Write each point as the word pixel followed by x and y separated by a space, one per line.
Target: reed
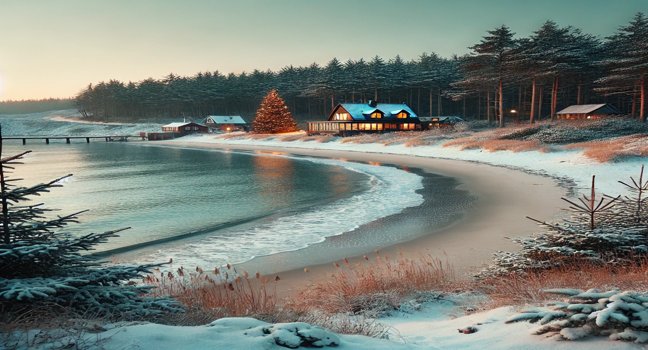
pixel 374 283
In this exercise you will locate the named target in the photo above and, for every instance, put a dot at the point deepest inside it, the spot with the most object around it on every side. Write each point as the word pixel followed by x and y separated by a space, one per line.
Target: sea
pixel 209 208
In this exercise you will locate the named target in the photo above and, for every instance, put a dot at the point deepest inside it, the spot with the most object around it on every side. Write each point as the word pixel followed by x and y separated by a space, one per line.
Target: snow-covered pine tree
pixel 273 116
pixel 42 267
pixel 602 229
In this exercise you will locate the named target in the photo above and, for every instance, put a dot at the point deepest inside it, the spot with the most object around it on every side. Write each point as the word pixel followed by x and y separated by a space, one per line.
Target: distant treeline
pixel 530 78
pixel 35 106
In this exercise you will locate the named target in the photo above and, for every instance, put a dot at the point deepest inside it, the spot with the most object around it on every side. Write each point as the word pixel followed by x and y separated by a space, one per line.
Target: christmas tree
pixel 273 116
pixel 45 269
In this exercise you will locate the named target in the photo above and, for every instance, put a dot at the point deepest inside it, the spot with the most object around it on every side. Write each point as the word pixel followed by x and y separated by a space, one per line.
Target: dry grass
pixel 495 145
pixel 206 299
pixel 614 149
pixel 519 290
pixel 374 284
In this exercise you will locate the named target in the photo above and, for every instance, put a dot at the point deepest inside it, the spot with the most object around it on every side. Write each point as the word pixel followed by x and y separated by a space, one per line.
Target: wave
pixel 390 191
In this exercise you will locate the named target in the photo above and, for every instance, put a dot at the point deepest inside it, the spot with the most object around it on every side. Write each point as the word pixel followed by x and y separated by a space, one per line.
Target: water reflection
pixel 275 178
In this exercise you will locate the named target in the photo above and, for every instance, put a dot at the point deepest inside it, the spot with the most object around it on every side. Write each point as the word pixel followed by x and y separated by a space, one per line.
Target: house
pixel 226 123
pixel 185 128
pixel 351 118
pixel 577 112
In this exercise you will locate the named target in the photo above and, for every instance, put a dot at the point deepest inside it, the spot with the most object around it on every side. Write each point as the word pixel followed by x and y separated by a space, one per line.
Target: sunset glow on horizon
pixel 55 49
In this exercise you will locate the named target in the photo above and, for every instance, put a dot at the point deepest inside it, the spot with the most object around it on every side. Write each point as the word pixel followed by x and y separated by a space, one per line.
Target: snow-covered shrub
pixel 605 230
pixel 290 335
pixel 563 133
pixel 522 134
pixel 41 266
pixel 619 315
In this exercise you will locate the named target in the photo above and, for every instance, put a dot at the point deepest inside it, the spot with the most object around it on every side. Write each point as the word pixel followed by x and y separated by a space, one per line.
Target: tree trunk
pixel 633 106
pixel 332 101
pixel 439 103
pixel 418 100
pixel 464 107
pixel 488 107
pixel 533 95
pixel 578 94
pixel 430 102
pixel 554 98
pixel 376 94
pixel 642 100
pixel 540 102
pixel 3 190
pixel 479 105
pixel 501 104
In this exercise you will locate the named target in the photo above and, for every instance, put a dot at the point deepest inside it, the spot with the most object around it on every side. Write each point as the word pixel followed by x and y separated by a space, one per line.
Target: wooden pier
pixel 68 139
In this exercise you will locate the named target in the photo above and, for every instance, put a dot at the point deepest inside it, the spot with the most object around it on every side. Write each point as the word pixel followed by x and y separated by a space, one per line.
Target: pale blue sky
pixel 55 48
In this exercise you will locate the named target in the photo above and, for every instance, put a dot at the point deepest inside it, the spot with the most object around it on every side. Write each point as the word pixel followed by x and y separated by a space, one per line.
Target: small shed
pixel 185 128
pixel 226 123
pixel 595 111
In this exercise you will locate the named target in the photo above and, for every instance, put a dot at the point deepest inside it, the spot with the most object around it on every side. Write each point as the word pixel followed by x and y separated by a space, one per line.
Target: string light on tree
pixel 273 116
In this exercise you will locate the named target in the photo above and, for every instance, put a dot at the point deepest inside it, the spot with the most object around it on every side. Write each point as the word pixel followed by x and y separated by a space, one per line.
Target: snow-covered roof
pixel 226 119
pixel 180 124
pixel 176 124
pixel 362 111
pixel 584 109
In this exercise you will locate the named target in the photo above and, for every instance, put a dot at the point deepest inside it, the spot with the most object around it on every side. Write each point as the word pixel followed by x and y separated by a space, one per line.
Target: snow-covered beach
pixel 503 202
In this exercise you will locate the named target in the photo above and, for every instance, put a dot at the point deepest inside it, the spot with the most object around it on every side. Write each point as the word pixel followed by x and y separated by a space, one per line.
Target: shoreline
pixel 466 244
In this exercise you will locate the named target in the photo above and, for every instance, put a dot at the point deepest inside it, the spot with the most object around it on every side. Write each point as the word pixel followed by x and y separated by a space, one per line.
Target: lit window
pixel 380 126
pixel 376 115
pixel 401 115
pixel 354 126
pixel 341 116
pixel 373 126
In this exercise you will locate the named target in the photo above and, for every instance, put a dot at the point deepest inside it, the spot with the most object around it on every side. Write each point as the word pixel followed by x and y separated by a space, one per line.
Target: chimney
pixel 373 103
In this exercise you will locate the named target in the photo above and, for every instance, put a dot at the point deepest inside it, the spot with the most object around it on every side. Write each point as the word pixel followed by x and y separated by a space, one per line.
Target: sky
pixel 56 48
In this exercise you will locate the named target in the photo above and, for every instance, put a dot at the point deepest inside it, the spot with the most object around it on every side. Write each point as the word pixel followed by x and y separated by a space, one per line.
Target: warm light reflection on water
pixel 277 171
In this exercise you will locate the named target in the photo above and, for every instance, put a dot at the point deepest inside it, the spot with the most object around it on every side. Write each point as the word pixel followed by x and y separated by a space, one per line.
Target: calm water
pixel 163 193
pixel 208 208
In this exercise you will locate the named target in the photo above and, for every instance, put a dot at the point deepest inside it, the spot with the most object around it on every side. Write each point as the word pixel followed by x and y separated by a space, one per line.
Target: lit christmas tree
pixel 273 116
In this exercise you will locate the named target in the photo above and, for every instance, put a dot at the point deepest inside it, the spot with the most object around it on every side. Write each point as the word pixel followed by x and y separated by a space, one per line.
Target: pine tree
pixel 41 266
pixel 627 66
pixel 491 64
pixel 273 116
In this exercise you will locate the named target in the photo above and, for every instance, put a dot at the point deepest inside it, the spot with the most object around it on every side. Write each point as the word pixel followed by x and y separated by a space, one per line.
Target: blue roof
pixel 362 111
pixel 225 119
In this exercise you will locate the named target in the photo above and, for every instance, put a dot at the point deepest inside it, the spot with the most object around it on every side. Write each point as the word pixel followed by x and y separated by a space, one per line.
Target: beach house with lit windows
pixel 226 123
pixel 352 118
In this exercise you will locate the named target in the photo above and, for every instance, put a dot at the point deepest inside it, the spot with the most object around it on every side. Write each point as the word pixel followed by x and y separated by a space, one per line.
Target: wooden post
pixel 24 141
pixel 67 140
pixel 87 140
pixel 47 141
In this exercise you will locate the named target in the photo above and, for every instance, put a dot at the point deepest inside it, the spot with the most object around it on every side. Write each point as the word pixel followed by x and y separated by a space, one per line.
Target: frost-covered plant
pixel 619 315
pixel 601 230
pixel 40 265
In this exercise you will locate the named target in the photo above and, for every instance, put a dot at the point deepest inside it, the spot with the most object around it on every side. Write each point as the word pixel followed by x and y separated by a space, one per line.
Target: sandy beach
pixel 504 198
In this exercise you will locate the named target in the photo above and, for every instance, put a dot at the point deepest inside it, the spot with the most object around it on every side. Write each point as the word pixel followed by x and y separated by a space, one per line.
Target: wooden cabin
pixel 226 123
pixel 587 112
pixel 353 118
pixel 185 128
